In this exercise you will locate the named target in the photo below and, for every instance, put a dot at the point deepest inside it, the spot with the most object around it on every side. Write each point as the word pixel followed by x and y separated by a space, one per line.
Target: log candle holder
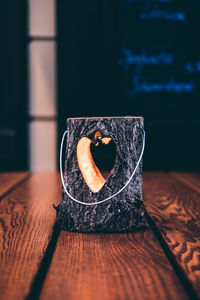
pixel 95 201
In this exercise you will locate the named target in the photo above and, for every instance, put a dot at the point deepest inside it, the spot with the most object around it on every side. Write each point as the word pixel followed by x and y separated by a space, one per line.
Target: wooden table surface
pixel 38 261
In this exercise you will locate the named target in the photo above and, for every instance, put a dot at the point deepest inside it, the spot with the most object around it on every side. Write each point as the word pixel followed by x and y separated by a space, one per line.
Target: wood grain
pixel 190 179
pixel 9 179
pixel 110 266
pixel 26 222
pixel 175 209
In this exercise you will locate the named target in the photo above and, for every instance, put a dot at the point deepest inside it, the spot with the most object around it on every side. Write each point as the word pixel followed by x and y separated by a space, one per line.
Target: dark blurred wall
pixel 13 85
pixel 134 57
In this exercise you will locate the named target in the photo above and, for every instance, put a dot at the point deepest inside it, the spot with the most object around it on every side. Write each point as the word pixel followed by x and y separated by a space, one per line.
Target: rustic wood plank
pixel 190 179
pixel 10 179
pixel 26 222
pixel 175 209
pixel 110 266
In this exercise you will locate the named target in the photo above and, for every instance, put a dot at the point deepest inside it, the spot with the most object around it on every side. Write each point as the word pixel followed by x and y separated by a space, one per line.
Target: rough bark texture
pixel 125 212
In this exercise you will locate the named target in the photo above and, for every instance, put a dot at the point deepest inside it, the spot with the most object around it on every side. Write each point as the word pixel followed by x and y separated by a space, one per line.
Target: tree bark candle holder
pixel 91 200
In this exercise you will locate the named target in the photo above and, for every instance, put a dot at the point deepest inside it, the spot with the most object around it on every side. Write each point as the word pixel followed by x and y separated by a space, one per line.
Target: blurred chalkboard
pixel 159 55
pixel 135 57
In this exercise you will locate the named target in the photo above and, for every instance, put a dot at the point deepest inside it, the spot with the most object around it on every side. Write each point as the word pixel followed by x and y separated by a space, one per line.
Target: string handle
pixel 108 198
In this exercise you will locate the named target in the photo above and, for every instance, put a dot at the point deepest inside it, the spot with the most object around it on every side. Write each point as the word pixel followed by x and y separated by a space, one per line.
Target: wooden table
pixel 38 261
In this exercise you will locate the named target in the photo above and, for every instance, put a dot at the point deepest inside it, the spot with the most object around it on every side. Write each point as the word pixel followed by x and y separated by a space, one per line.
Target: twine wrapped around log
pixel 88 184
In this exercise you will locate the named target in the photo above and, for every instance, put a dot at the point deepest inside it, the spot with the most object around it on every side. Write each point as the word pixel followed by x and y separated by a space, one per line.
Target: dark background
pixel 97 77
pixel 13 85
pixel 114 57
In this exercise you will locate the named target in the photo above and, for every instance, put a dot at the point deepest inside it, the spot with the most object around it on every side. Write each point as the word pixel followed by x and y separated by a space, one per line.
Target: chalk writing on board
pixel 140 85
pixel 153 9
pixel 192 68
pixel 164 15
pixel 130 58
pixel 170 86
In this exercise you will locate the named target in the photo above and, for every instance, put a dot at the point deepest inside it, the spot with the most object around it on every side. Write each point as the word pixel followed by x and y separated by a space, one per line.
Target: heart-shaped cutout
pixel 96 159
